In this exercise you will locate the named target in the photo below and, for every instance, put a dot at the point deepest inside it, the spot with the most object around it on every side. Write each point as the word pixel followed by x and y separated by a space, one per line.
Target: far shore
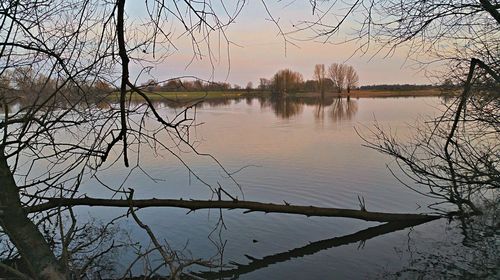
pixel 377 93
pixel 191 95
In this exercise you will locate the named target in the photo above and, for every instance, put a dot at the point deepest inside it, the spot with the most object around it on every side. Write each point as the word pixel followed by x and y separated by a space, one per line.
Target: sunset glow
pixel 253 49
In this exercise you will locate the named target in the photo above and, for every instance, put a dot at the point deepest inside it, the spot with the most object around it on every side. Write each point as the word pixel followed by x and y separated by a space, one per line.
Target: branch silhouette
pixel 250 206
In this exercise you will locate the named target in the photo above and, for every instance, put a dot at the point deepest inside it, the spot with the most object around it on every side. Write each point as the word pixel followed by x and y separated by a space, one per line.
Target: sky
pixel 258 51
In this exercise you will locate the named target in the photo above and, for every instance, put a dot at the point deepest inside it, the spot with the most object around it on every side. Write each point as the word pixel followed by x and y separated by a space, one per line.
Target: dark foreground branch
pixel 249 206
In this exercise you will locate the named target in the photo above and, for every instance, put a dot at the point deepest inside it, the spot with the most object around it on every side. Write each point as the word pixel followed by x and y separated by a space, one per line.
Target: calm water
pixel 306 153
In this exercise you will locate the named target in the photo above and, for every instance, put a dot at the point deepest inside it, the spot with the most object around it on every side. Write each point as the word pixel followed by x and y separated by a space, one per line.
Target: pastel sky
pixel 258 51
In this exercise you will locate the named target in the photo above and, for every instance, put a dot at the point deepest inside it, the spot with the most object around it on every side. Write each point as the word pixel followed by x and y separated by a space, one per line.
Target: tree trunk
pixel 23 233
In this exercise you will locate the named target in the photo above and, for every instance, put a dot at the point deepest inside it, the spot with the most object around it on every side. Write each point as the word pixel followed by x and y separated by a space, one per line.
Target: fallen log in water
pixel 249 206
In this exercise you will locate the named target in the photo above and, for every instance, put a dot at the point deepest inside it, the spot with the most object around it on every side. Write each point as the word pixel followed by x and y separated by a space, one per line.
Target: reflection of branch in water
pixel 290 106
pixel 321 103
pixel 340 109
pixel 319 112
pixel 468 249
pixel 310 249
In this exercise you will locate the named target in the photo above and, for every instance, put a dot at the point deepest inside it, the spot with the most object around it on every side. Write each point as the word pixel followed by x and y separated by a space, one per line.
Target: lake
pixel 302 152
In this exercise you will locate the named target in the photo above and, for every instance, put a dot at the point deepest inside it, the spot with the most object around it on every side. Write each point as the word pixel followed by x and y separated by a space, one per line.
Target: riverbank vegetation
pixel 359 93
pixel 24 85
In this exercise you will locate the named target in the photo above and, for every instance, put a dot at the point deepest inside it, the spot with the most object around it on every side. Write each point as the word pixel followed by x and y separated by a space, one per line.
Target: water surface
pixel 303 152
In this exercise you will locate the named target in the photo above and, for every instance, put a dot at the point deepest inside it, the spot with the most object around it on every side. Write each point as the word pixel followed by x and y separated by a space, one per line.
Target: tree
pixel 198 85
pixel 286 81
pixel 57 139
pixel 172 85
pixel 23 78
pixel 351 78
pixel 319 75
pixel 150 85
pixel 249 87
pixel 264 84
pixel 337 72
pixel 103 86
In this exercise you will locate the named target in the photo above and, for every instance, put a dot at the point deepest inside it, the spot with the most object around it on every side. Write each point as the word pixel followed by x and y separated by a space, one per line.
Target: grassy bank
pixel 396 93
pixel 378 93
pixel 193 95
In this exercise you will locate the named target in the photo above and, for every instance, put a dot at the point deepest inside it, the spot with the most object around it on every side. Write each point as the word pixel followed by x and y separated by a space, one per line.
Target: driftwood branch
pixel 249 206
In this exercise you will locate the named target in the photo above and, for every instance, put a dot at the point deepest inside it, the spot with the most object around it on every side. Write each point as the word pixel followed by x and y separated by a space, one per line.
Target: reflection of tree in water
pixel 343 109
pixel 283 106
pixel 263 101
pixel 339 108
pixel 249 100
pixel 218 102
pixel 286 108
pixel 320 104
pixel 200 103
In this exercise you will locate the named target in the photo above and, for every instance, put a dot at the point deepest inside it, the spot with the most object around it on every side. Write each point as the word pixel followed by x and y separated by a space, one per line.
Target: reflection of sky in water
pixel 289 153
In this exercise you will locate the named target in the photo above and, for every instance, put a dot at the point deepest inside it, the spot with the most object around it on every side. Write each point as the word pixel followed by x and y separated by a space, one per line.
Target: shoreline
pixel 243 94
pixel 377 93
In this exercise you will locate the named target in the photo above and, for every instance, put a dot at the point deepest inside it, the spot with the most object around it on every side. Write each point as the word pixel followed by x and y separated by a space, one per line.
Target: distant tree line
pixel 336 78
pixel 174 85
pixel 23 84
pixel 400 87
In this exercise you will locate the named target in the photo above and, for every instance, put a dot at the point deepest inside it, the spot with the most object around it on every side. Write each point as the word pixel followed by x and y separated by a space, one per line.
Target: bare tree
pixel 319 76
pixel 59 136
pixel 264 84
pixel 249 87
pixel 351 78
pixel 337 72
